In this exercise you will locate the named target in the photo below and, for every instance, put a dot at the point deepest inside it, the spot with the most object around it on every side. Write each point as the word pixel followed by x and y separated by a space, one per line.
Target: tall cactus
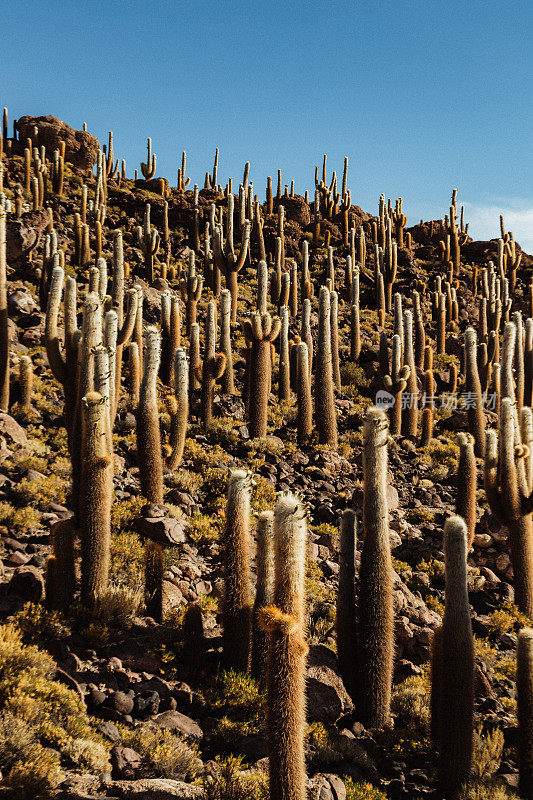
pixel 475 415
pixel 148 168
pixel 96 491
pixel 228 380
pixel 335 360
pixel 410 418
pixel 213 365
pixel 179 409
pixel 227 262
pixel 453 668
pixel 151 466
pixel 506 491
pixel 260 330
pixel 237 607
pixel 524 690
pixel 465 505
pixel 395 381
pixel 264 592
pixel 191 286
pixel 148 240
pixel 376 612
pixel 287 651
pixel 346 620
pixel 284 381
pixel 303 388
pixel 325 414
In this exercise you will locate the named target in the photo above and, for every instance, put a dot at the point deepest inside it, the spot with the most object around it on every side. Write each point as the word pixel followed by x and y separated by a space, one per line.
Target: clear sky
pixel 422 95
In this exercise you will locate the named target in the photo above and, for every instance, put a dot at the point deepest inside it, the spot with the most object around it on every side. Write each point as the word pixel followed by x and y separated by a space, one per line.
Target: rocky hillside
pixel 222 565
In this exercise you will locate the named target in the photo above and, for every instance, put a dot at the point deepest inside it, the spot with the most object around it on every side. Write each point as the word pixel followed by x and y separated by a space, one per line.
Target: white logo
pixel 384 399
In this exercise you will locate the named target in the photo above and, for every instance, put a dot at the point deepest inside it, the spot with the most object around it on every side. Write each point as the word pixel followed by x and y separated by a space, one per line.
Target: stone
pixel 163 530
pixel 172 595
pixel 124 762
pixel 121 702
pixel 20 302
pixel 146 704
pixel 109 731
pixel 155 789
pixel 175 721
pixel 28 582
pixel 11 431
pixel 81 147
pixel 327 698
pixel 24 235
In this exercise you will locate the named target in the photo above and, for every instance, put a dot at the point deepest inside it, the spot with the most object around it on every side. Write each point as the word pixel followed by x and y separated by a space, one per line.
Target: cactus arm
pixel 126 331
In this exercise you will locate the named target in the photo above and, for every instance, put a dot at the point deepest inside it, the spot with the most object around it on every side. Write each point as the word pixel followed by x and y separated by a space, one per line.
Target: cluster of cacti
pixel 302 320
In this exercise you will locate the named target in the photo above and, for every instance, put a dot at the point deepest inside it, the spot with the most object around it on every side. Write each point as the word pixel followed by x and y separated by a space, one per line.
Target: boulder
pixel 24 234
pixel 11 431
pixel 27 582
pixel 81 147
pixel 163 530
pixel 174 721
pixel 327 698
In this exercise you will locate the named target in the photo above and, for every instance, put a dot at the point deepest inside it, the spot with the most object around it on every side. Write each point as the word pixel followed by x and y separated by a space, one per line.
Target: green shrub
pixel 362 791
pixel 226 780
pixel 39 713
pixel 169 755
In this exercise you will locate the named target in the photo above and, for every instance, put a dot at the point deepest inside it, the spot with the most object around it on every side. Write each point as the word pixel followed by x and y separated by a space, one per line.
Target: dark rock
pixel 11 431
pixel 146 704
pixel 28 582
pixel 327 698
pixel 96 698
pixel 121 702
pixel 109 731
pixel 124 762
pixel 24 234
pixel 163 530
pixel 174 721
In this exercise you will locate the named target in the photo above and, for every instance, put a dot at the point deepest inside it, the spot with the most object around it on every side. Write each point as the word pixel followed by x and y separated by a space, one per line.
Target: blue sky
pixel 422 95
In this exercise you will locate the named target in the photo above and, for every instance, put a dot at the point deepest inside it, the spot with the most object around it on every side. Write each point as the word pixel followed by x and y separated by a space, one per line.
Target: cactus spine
pixel 237 607
pixel 287 651
pixel 453 667
pixel 376 613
